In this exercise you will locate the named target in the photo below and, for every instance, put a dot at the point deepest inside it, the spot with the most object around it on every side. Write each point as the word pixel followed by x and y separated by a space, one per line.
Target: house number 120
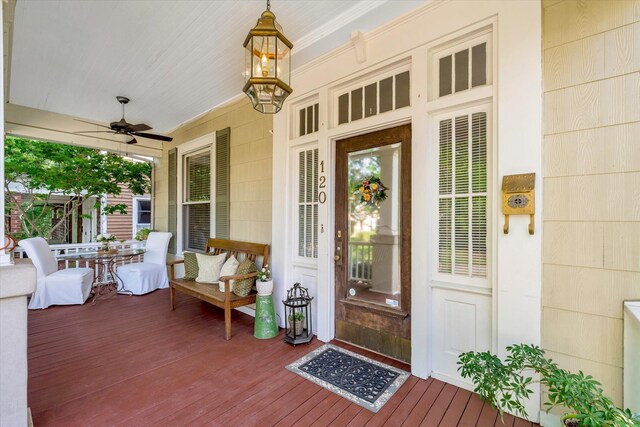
pixel 322 183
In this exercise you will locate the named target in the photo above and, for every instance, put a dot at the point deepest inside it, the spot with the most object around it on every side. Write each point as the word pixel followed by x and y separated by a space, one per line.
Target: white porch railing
pixel 72 248
pixel 360 260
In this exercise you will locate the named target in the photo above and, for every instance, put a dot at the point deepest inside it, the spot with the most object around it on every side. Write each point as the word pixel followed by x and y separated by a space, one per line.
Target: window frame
pixel 361 83
pixel 483 36
pixel 194 147
pixel 453 278
pixel 136 211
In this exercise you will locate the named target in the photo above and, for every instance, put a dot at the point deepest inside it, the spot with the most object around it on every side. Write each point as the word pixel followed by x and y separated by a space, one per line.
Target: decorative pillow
pixel 190 266
pixel 209 267
pixel 228 269
pixel 242 287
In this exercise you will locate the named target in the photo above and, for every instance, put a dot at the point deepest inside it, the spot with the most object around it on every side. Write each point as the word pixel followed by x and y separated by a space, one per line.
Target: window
pixel 308 203
pixel 196 205
pixel 141 214
pixel 387 94
pixel 462 204
pixel 308 119
pixel 462 68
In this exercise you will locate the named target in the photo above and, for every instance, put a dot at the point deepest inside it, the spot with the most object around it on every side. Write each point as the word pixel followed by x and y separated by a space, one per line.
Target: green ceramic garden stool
pixel 265 324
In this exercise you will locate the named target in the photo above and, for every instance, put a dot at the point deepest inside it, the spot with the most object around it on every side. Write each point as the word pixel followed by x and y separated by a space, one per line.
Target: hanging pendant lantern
pixel 267 64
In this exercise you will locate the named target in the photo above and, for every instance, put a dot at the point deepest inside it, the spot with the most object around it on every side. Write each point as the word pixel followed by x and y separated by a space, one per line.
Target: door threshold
pixel 371 351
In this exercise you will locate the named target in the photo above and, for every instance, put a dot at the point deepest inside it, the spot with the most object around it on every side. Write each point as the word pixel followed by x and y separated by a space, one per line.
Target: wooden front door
pixel 373 241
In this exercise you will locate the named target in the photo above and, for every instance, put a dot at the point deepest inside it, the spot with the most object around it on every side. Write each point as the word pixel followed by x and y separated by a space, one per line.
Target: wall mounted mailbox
pixel 518 197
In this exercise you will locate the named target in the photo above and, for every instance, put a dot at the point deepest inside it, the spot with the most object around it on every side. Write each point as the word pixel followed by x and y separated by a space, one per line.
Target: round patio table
pixel 109 284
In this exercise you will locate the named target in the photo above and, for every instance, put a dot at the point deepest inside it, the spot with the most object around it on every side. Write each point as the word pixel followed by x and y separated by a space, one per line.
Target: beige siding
pixel 591 182
pixel 251 159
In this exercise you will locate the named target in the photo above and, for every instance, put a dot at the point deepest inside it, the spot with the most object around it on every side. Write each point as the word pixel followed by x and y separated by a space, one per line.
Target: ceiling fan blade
pixel 132 140
pixel 91 123
pixel 152 136
pixel 140 127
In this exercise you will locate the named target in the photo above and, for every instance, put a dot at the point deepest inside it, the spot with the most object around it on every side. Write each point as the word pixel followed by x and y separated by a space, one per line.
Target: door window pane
pixel 374 236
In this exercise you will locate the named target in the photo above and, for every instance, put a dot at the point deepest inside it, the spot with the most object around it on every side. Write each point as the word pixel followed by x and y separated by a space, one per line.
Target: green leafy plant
pixel 505 385
pixel 298 316
pixel 142 234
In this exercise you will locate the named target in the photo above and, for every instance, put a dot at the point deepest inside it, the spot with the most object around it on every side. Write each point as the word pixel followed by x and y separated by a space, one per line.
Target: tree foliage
pixel 42 169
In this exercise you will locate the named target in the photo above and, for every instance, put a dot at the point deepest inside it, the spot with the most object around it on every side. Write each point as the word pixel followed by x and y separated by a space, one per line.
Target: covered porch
pixel 129 361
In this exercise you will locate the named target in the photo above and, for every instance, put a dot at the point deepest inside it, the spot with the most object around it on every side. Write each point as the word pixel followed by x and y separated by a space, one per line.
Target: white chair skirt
pixel 143 277
pixel 61 288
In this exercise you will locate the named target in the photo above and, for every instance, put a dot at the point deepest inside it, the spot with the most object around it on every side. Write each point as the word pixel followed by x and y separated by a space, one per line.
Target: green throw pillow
pixel 243 287
pixel 190 266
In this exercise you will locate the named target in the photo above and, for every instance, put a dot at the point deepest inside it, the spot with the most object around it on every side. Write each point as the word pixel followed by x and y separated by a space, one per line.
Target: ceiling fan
pixel 121 127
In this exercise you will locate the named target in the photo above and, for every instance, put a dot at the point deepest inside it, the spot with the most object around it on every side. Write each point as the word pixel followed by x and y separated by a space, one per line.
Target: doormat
pixel 364 381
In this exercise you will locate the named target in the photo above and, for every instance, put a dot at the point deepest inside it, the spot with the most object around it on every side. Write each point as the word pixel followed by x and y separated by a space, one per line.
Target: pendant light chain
pixel 268 4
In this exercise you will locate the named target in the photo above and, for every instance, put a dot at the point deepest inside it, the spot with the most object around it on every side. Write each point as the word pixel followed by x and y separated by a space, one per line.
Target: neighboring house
pixel 79 229
pixel 138 216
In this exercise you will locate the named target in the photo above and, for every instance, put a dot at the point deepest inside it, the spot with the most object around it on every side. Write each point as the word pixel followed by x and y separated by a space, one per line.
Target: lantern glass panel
pixel 284 63
pixel 264 63
pixel 248 60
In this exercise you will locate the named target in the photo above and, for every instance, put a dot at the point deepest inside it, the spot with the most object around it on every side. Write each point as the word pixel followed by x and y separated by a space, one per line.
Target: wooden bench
pixel 210 292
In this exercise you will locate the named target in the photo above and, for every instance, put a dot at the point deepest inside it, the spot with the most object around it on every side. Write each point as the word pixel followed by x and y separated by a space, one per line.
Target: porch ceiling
pixel 174 59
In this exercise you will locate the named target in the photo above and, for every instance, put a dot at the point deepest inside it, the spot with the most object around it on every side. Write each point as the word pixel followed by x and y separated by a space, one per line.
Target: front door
pixel 373 241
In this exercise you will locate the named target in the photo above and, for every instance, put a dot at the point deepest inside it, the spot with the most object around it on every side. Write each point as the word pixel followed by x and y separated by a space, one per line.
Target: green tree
pixel 39 170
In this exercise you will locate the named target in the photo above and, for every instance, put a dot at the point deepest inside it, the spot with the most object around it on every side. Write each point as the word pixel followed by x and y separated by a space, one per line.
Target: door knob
pixel 336 258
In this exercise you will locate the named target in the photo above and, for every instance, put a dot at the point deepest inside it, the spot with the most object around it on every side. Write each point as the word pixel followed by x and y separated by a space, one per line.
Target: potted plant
pixel 105 240
pixel 141 236
pixel 505 385
pixel 264 283
pixel 296 322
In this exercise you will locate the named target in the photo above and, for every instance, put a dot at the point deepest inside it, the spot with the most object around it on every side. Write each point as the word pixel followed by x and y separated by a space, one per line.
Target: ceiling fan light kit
pixel 267 64
pixel 122 127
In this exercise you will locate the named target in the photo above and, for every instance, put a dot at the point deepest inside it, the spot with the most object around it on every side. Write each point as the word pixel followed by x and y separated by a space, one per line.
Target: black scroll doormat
pixel 364 381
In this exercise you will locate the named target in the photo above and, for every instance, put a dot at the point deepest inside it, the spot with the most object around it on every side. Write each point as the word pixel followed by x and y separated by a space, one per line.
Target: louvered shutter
pixel 462 227
pixel 172 214
pixel 222 202
pixel 308 203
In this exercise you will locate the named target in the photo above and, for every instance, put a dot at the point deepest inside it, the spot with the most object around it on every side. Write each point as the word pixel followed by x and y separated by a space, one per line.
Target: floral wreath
pixel 371 190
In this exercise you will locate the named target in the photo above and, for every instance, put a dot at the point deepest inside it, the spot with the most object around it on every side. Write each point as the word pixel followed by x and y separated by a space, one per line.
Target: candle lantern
pixel 297 310
pixel 267 64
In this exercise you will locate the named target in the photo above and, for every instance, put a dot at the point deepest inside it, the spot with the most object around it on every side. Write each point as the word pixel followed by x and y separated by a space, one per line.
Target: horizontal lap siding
pixel 591 249
pixel 119 224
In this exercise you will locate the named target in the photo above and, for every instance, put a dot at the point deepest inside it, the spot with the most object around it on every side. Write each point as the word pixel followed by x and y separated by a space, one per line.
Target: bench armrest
pixel 172 271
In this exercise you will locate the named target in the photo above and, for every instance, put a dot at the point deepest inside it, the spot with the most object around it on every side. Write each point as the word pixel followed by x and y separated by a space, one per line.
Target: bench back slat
pixel 233 247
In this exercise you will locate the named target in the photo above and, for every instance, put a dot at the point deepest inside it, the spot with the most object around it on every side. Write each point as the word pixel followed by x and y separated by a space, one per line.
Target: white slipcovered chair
pixel 143 277
pixel 55 287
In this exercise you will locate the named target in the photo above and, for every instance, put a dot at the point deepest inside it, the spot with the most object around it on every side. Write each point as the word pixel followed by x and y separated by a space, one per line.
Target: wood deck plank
pixel 488 416
pixel 131 361
pixel 456 408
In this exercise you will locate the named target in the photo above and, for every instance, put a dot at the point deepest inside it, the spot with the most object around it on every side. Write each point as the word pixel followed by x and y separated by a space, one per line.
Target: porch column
pixel 16 283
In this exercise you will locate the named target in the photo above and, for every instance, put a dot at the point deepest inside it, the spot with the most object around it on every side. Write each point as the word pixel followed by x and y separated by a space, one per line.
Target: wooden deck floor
pixel 130 361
